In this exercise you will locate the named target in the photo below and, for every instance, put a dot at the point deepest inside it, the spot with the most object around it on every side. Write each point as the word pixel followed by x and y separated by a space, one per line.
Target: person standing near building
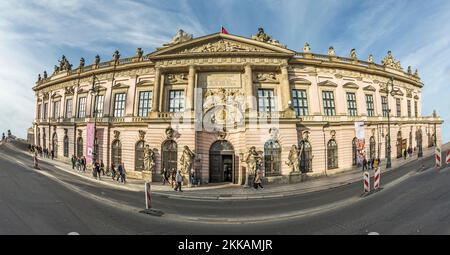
pixel 179 180
pixel 73 160
pixel 164 176
pixel 83 160
pixel 123 175
pixel 364 163
pixel 102 167
pixel 173 177
pixel 35 159
pixel 113 171
pixel 258 180
pixel 53 154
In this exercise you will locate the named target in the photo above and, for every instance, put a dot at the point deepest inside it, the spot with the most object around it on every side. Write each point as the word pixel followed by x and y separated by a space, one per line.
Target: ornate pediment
pixel 409 93
pixel 219 43
pixel 298 80
pixel 350 85
pixel 266 77
pixel 397 92
pixel 69 90
pixel 327 83
pixel 369 88
pixel 177 78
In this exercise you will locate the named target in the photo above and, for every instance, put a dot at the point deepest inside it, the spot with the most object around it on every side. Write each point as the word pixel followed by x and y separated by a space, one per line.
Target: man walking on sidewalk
pixel 74 160
pixel 179 179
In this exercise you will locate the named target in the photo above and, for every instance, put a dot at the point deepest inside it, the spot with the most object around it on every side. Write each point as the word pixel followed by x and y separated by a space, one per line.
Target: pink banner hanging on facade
pixel 90 130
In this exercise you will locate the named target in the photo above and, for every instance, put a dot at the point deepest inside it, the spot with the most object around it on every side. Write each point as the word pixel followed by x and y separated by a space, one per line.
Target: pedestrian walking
pixel 179 180
pixel 404 154
pixel 97 169
pixel 35 160
pixel 164 176
pixel 371 163
pixel 73 160
pixel 102 167
pixel 83 162
pixel 258 180
pixel 123 173
pixel 113 171
pixel 364 163
pixel 53 154
pixel 173 177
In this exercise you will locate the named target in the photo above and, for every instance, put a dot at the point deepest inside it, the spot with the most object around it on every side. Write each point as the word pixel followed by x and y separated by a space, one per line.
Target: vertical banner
pixel 90 130
pixel 360 135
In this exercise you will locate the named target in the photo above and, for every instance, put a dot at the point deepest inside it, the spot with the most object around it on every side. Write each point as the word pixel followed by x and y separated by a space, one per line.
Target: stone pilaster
pixel 249 90
pixel 156 89
pixel 285 88
pixel 190 89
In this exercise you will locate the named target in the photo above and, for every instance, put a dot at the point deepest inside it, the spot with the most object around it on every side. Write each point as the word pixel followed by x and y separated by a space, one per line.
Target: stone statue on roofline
pixel 307 48
pixel 331 51
pixel 45 75
pixel 180 37
pixel 39 78
pixel 116 56
pixel 139 53
pixel 97 60
pixel 353 54
pixel 81 62
pixel 371 60
pixel 263 37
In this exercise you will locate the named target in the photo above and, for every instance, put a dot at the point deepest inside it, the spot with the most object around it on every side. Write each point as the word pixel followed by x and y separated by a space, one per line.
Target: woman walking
pixel 258 180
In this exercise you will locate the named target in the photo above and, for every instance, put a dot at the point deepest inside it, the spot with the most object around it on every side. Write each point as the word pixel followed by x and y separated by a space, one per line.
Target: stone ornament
pixel 96 61
pixel 66 131
pixel 139 53
pixel 39 78
pixel 223 106
pixel 333 134
pixel 253 160
pixel 221 46
pixel 409 70
pixel 263 37
pixel 353 54
pixel 116 57
pixel 186 160
pixel 331 52
pixel 180 37
pixel 266 77
pixel 307 48
pixel 371 60
pixel 389 61
pixel 274 133
pixel 149 159
pixel 177 78
pixel 81 62
pixel 170 133
pixel 69 90
pixel 80 132
pixel 116 134
pixel 294 159
pixel 141 135
pixel 416 73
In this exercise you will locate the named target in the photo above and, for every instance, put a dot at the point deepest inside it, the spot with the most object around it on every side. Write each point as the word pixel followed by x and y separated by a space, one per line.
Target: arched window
pixel 372 150
pixel 355 151
pixel 272 158
pixel 332 154
pixel 55 144
pixel 169 155
pixel 80 147
pixel 399 144
pixel 306 157
pixel 66 146
pixel 139 156
pixel 116 152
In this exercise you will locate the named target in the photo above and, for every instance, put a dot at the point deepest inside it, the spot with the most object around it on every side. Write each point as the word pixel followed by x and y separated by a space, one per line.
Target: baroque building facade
pixel 221 103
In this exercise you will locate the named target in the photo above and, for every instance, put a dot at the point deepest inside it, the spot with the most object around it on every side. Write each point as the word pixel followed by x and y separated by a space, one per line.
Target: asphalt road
pixel 49 201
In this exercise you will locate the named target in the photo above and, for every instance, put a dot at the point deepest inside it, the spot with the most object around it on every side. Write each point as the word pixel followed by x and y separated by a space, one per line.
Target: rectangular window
pixel 370 106
pixel 384 106
pixel 176 101
pixel 69 108
pixel 98 109
pixel 328 103
pixel 56 109
pixel 39 111
pixel 399 107
pixel 408 104
pixel 145 103
pixel 266 102
pixel 119 105
pixel 45 110
pixel 351 104
pixel 416 110
pixel 82 107
pixel 300 102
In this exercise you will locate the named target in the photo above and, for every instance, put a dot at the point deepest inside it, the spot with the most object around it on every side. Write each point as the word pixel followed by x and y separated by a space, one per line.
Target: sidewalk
pixel 235 192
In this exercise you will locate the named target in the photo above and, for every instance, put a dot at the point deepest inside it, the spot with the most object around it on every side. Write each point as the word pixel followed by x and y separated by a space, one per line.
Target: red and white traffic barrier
pixel 448 157
pixel 366 181
pixel 437 154
pixel 148 196
pixel 376 178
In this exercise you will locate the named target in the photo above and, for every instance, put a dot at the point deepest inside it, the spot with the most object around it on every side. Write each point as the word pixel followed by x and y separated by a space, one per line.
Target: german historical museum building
pixel 221 106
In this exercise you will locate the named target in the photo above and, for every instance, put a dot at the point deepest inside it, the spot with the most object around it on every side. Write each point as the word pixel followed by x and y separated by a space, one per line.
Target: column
pixel 249 91
pixel 285 88
pixel 75 102
pixel 190 89
pixel 131 97
pixel 156 88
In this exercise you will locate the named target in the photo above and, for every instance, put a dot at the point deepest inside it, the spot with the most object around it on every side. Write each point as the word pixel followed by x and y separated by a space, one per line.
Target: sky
pixel 34 35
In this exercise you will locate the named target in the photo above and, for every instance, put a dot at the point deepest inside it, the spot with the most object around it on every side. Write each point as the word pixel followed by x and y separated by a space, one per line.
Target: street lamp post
pixel 388 158
pixel 94 92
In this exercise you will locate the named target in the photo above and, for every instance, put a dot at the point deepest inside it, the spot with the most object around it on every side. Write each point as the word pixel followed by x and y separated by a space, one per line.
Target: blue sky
pixel 34 34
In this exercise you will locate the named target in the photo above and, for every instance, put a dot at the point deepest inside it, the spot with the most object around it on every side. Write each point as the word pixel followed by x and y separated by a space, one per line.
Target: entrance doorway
pixel 221 162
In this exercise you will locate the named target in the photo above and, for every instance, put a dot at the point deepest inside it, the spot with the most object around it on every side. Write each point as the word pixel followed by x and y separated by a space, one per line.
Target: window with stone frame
pixel 384 106
pixel 98 109
pixel 416 109
pixel 139 156
pixel 145 103
pixel 272 158
pixel 266 100
pixel 82 107
pixel 351 104
pixel 332 154
pixel 176 101
pixel 45 111
pixel 66 146
pixel 398 104
pixel 328 103
pixel 300 102
pixel 56 107
pixel 370 105
pixel 116 153
pixel 119 104
pixel 69 106
pixel 408 107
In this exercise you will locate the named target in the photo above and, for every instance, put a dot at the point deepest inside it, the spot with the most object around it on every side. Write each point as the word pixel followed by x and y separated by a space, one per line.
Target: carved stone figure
pixel 64 64
pixel 81 62
pixel 331 51
pixel 416 73
pixel 409 70
pixel 370 60
pixel 186 160
pixel 180 37
pixel 97 60
pixel 263 37
pixel 55 69
pixel 116 56
pixel 149 159
pixel 139 53
pixel 307 48
pixel 353 54
pixel 293 159
pixel 266 77
pixel 389 61
pixel 170 133
pixel 39 77
pixel 253 161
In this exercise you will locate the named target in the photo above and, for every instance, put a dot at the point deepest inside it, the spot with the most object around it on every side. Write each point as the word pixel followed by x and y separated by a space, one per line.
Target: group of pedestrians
pixel 42 152
pixel 79 163
pixel 174 178
pixel 407 152
pixel 370 164
pixel 120 173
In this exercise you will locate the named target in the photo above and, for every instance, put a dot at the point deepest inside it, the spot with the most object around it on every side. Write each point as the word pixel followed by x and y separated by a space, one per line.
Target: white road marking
pixel 73 234
pixel 373 234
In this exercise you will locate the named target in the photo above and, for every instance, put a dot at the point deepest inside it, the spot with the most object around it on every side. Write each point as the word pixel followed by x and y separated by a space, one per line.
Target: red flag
pixel 224 31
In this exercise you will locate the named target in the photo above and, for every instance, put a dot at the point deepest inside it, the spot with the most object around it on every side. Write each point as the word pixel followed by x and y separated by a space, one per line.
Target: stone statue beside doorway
pixel 186 161
pixel 293 159
pixel 253 160
pixel 149 159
